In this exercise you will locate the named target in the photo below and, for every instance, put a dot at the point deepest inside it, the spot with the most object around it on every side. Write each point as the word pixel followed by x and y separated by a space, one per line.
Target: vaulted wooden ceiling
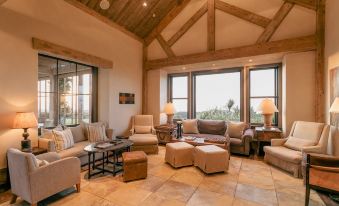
pixel 132 15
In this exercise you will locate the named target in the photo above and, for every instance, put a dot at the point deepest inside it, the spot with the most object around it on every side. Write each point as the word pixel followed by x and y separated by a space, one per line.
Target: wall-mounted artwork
pixel 126 98
pixel 334 88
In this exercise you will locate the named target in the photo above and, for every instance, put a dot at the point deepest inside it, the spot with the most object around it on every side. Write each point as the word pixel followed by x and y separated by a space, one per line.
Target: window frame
pixel 94 87
pixel 277 90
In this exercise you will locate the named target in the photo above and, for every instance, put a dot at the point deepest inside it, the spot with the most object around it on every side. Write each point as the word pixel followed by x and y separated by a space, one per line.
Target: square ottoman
pixel 134 165
pixel 179 154
pixel 211 158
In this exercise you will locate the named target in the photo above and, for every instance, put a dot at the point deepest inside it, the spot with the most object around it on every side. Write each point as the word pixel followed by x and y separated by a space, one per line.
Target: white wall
pixel 57 21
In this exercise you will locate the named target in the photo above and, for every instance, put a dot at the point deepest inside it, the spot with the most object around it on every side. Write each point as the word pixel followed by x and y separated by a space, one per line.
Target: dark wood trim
pixel 164 45
pixel 95 94
pixel 310 4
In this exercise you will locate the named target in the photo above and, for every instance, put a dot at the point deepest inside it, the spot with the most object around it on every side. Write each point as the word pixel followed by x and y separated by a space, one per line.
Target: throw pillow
pixel 298 143
pixel 63 139
pixel 96 133
pixel 235 129
pixel 48 133
pixel 190 126
pixel 78 133
pixel 142 129
pixel 85 125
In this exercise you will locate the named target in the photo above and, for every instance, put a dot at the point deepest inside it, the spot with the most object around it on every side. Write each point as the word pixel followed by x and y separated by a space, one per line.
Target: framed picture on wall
pixel 334 88
pixel 126 98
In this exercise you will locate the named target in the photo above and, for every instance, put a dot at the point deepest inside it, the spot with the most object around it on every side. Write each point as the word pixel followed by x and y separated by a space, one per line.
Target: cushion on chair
pixel 298 143
pixel 143 120
pixel 142 129
pixel 216 127
pixel 190 126
pixel 236 141
pixel 144 139
pixel 284 153
pixel 236 129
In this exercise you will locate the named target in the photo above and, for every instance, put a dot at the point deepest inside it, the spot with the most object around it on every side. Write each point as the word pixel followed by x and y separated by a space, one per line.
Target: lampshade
pixel 335 106
pixel 25 120
pixel 267 106
pixel 169 108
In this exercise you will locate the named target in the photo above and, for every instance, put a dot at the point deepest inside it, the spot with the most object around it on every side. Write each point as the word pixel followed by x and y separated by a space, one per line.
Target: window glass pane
pixel 262 82
pixel 85 84
pixel 218 96
pixel 179 87
pixel 257 118
pixel 181 108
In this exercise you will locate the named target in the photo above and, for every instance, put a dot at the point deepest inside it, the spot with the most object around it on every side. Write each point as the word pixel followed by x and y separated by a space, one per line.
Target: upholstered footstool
pixel 179 154
pixel 211 158
pixel 134 165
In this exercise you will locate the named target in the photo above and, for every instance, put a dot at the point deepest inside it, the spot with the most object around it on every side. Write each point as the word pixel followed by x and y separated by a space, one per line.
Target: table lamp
pixel 169 110
pixel 267 108
pixel 25 120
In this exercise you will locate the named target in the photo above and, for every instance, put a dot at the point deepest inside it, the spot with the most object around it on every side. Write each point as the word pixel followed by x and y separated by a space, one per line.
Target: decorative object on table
pixel 267 108
pixel 179 129
pixel 25 120
pixel 134 165
pixel 126 98
pixel 166 132
pixel 334 89
pixel 170 111
pixel 263 134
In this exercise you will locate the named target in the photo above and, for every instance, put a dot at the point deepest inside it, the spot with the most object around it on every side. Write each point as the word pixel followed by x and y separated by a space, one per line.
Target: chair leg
pixel 307 195
pixel 13 199
pixel 78 188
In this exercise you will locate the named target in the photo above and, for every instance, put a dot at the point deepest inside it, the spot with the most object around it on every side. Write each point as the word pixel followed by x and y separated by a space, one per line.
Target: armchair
pixel 33 183
pixel 304 137
pixel 242 145
pixel 142 134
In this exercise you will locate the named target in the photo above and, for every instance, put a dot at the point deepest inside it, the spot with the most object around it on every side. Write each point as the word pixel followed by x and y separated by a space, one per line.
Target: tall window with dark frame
pixel 66 92
pixel 263 84
pixel 178 94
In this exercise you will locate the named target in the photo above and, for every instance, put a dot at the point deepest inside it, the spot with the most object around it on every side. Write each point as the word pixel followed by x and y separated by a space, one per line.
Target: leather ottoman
pixel 211 158
pixel 179 154
pixel 134 165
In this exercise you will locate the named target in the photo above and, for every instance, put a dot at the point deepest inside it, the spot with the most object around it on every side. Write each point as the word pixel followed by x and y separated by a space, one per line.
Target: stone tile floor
pixel 248 182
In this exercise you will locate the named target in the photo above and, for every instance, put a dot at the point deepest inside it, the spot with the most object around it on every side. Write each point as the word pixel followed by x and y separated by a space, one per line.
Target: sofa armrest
pixel 278 142
pixel 49 156
pixel 131 132
pixel 48 144
pixel 312 149
pixel 248 133
pixel 109 133
pixel 153 131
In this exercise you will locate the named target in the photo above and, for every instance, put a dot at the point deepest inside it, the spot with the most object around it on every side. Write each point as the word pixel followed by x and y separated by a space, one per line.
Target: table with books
pixel 110 151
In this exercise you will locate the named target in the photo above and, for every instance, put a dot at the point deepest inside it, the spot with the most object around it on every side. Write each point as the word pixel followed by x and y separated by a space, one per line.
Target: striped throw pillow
pixel 63 139
pixel 96 133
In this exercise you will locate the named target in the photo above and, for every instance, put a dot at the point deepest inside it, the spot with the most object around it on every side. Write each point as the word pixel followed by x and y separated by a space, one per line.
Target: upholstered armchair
pixel 242 145
pixel 33 183
pixel 142 134
pixel 304 137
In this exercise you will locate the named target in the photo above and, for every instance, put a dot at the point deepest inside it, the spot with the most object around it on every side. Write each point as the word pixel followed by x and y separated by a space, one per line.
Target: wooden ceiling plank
pixel 190 22
pixel 310 4
pixel 275 23
pixel 91 4
pixel 165 46
pixel 211 25
pixel 145 14
pixel 117 7
pixel 165 21
pixel 55 49
pixel 85 1
pixel 242 13
pixel 118 14
pixel 128 11
pixel 306 43
pixel 2 2
pixel 102 18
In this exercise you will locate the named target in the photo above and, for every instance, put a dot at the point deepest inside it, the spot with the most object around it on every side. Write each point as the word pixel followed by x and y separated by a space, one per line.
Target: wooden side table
pixel 265 135
pixel 38 150
pixel 166 132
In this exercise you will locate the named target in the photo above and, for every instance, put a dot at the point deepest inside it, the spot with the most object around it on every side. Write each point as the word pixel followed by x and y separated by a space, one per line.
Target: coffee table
pixel 116 147
pixel 195 142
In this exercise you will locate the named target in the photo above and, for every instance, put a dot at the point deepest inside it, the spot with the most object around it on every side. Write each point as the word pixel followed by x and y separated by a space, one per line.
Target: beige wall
pixel 298 89
pixel 331 61
pixel 57 21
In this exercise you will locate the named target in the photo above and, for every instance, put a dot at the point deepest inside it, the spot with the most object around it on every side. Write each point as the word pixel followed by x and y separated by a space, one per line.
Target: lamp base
pixel 170 119
pixel 267 121
pixel 26 145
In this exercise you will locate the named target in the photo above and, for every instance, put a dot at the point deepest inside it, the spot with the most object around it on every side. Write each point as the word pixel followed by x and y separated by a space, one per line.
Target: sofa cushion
pixel 217 127
pixel 284 153
pixel 63 139
pixel 144 139
pixel 142 129
pixel 190 126
pixel 235 129
pixel 236 141
pixel 308 130
pixel 76 151
pixel 218 139
pixel 78 134
pixel 96 133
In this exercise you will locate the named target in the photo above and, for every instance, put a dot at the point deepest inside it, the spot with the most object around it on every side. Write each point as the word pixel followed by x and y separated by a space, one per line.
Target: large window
pixel 263 84
pixel 66 92
pixel 178 85
pixel 217 95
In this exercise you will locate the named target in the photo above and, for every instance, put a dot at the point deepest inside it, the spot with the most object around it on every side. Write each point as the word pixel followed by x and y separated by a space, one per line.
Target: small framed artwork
pixel 126 98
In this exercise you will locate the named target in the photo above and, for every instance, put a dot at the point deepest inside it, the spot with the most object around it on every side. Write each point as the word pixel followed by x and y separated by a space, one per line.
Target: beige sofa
pixel 80 142
pixel 33 183
pixel 142 134
pixel 305 137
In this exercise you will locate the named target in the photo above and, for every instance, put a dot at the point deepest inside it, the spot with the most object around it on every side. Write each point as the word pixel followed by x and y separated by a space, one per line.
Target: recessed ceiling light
pixel 213 64
pixel 144 4
pixel 153 15
pixel 250 60
pixel 104 4
pixel 183 68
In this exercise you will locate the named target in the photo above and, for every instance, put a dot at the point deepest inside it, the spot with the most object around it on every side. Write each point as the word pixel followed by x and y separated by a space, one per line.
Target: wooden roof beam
pixel 165 21
pixel 211 25
pixel 306 43
pixel 310 4
pixel 242 13
pixel 165 46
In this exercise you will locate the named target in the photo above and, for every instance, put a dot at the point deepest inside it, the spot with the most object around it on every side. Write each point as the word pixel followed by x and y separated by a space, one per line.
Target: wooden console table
pixel 265 135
